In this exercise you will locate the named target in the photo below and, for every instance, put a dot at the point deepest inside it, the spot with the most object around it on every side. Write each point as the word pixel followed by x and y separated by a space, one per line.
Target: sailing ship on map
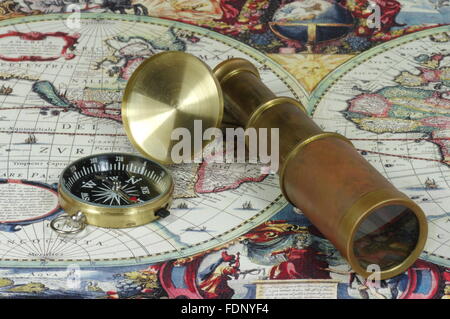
pixel 247 205
pixel 31 139
pixel 182 205
pixel 5 90
pixel 430 184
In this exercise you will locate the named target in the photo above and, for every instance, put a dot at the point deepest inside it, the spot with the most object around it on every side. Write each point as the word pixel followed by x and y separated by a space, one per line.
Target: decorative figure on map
pixel 303 261
pixel 389 9
pixel 123 5
pixel 214 279
pixel 307 22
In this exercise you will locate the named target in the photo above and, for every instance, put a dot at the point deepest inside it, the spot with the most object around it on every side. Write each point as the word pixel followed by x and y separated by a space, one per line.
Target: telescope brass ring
pixel 223 74
pixel 368 204
pixel 254 117
pixel 298 148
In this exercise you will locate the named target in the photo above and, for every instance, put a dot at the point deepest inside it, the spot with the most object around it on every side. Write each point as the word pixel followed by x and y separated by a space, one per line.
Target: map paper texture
pixel 231 234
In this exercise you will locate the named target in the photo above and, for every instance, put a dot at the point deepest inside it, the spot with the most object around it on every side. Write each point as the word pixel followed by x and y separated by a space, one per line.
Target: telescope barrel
pixel 372 224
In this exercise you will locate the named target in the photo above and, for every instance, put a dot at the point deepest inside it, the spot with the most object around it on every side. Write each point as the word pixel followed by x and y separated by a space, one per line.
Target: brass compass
pixel 112 190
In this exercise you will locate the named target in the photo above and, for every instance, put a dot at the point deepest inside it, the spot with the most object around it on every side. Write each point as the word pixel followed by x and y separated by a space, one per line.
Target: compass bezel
pixel 110 216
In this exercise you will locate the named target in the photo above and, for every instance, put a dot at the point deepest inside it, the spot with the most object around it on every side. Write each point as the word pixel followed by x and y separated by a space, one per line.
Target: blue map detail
pixel 175 237
pixel 424 282
pixel 47 91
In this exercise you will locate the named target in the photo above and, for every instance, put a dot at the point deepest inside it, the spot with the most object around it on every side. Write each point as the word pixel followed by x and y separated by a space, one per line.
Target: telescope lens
pixel 386 237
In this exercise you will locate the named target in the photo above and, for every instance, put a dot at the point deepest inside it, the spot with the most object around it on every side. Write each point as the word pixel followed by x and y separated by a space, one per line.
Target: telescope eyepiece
pixel 386 237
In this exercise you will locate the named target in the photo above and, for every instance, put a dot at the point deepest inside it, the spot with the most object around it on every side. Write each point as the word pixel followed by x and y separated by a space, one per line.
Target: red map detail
pixel 231 176
pixel 14 181
pixel 441 122
pixel 444 145
pixel 438 101
pixel 271 230
pixel 370 104
pixel 98 109
pixel 201 188
pixel 429 75
pixel 130 67
pixel 70 41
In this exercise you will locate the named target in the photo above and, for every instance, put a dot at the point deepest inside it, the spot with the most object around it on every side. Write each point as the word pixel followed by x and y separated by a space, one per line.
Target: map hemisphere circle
pixel 64 105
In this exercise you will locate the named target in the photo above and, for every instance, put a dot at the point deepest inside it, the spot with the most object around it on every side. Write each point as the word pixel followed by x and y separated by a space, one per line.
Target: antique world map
pixel 61 84
pixel 61 87
pixel 393 102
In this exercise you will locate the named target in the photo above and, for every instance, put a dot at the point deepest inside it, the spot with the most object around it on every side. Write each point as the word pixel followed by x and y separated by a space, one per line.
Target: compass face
pixel 115 179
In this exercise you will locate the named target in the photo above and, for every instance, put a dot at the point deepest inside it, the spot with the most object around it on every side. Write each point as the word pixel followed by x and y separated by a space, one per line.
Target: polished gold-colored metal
pixel 232 67
pixel 114 216
pixel 254 117
pixel 167 91
pixel 326 177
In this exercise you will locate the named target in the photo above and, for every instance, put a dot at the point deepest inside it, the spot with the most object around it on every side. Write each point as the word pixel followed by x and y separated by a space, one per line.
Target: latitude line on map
pixel 25 251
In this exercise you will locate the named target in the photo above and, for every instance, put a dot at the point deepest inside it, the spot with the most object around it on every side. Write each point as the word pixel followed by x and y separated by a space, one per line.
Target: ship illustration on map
pixel 182 205
pixel 5 90
pixel 52 119
pixel 247 205
pixel 430 184
pixel 31 139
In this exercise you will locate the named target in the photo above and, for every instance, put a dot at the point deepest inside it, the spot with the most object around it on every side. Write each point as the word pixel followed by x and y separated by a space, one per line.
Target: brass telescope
pixel 370 222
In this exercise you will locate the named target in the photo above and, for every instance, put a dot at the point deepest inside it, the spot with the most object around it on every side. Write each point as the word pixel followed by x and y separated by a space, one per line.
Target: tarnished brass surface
pixel 298 148
pixel 169 90
pixel 350 202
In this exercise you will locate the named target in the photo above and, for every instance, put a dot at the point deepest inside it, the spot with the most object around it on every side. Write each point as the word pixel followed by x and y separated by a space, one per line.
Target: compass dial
pixel 115 179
